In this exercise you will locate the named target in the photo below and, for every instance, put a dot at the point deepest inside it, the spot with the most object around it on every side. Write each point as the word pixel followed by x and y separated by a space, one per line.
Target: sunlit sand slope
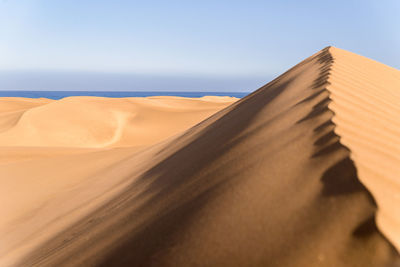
pixel 366 100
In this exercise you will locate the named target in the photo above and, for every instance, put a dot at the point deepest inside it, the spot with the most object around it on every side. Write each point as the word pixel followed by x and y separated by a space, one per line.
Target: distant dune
pixel 96 122
pixel 302 172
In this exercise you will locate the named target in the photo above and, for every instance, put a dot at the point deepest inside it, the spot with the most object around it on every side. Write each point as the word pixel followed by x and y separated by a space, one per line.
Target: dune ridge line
pixel 388 213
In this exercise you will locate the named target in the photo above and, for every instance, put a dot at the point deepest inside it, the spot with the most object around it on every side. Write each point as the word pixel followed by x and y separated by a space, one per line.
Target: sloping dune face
pixel 272 180
pixel 12 108
pixel 366 100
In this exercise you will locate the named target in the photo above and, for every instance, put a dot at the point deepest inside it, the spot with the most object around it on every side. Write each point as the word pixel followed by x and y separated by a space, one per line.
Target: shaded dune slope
pixel 265 182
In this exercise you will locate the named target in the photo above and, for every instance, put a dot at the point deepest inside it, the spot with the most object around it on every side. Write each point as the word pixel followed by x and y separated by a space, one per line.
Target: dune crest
pixel 282 177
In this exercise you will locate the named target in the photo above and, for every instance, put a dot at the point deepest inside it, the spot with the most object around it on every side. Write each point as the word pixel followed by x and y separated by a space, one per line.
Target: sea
pixel 61 94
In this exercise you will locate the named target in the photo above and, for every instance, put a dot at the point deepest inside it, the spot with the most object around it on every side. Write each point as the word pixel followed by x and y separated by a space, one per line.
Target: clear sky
pixel 169 45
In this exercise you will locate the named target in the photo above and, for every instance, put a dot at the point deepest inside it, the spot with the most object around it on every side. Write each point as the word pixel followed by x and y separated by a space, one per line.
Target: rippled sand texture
pixel 366 100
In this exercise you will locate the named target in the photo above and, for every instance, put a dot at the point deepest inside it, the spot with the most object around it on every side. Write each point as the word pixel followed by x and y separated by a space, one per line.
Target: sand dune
pixel 12 108
pixel 292 175
pixel 107 121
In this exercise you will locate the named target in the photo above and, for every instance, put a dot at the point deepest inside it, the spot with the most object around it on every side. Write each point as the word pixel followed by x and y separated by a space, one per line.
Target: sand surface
pixel 57 158
pixel 302 172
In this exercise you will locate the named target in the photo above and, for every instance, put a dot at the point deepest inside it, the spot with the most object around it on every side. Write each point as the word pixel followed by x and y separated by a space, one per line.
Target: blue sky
pixel 170 45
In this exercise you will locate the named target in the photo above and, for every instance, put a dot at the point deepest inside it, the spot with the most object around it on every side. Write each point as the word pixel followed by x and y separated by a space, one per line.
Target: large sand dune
pixel 295 174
